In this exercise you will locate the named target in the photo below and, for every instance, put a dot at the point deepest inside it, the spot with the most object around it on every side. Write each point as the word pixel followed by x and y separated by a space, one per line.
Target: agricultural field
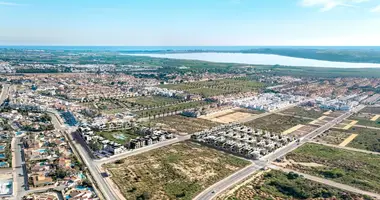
pixel 185 124
pixel 357 169
pixel 170 109
pixel 217 87
pixel 120 137
pixel 280 185
pixel 304 112
pixel 178 171
pixel 109 106
pixel 276 123
pixel 150 101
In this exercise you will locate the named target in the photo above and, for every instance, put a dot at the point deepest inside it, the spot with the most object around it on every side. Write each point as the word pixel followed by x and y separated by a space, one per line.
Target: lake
pixel 259 59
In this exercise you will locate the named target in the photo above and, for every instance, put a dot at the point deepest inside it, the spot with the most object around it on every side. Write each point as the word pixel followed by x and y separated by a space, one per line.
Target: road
pixel 4 93
pixel 141 150
pixel 226 183
pixel 20 177
pixel 347 148
pixel 329 182
pixel 100 182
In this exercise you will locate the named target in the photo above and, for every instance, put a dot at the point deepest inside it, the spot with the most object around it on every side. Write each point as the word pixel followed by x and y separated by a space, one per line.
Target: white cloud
pixel 327 5
pixel 376 9
pixel 4 3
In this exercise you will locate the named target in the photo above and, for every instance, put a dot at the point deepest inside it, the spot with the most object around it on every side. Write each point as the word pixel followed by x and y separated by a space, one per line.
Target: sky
pixel 190 22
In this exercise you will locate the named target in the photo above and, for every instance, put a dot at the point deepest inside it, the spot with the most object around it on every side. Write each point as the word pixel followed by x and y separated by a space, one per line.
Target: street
pixel 226 183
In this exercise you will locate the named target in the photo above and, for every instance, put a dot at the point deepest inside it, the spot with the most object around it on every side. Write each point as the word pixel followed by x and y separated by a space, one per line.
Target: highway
pixel 228 182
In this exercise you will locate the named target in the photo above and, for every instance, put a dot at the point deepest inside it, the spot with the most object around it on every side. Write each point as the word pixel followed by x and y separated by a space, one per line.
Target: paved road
pixel 347 148
pixel 142 150
pixel 100 182
pixel 369 127
pixel 224 184
pixel 18 163
pixel 329 182
pixel 4 93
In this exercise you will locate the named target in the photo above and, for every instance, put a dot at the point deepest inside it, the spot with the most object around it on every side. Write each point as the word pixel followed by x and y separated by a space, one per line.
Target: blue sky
pixel 190 22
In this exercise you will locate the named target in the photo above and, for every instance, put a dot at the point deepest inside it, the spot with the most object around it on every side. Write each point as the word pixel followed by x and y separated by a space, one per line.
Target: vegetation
pixel 357 169
pixel 367 139
pixel 121 137
pixel 333 136
pixel 279 185
pixel 217 87
pixel 171 109
pixel 276 123
pixel 185 124
pixel 179 171
pixel 304 112
pixel 342 55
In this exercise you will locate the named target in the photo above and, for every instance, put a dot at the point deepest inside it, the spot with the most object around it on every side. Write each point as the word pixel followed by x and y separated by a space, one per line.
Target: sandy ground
pixel 291 130
pixel 375 118
pixel 350 125
pixel 328 112
pixel 348 140
pixel 227 116
pixel 317 120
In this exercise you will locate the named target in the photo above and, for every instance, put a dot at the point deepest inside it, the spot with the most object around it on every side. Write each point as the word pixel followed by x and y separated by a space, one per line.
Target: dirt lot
pixel 227 116
pixel 276 123
pixel 178 171
pixel 333 136
pixel 185 124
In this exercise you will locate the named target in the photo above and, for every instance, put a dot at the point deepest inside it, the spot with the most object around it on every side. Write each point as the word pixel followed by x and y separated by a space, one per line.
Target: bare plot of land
pixel 185 124
pixel 335 137
pixel 276 123
pixel 178 171
pixel 303 130
pixel 230 115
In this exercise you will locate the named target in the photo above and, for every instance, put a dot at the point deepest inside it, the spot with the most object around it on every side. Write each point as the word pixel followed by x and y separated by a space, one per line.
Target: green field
pixel 367 139
pixel 304 112
pixel 217 87
pixel 276 123
pixel 150 101
pixel 178 171
pixel 279 185
pixel 170 108
pixel 185 124
pixel 357 169
pixel 120 137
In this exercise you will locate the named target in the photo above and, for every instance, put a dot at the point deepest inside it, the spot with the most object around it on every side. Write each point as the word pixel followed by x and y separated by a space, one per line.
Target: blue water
pixel 259 59
pixel 2 147
pixel 2 156
pixel 179 48
pixel 3 164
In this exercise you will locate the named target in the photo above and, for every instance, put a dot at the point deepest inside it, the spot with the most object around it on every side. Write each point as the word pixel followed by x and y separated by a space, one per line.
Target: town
pixel 130 129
